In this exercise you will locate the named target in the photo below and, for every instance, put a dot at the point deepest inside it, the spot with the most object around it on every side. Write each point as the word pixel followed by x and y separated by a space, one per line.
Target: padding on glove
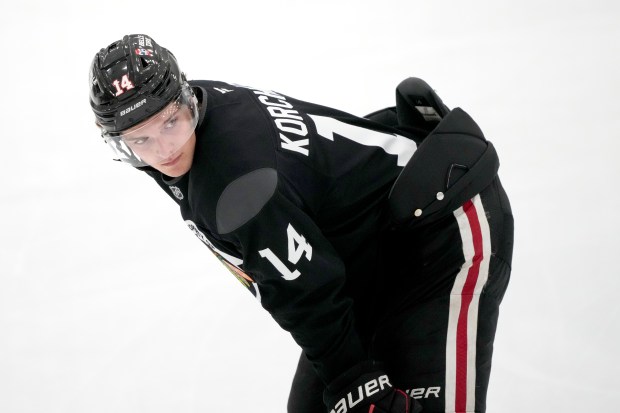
pixel 365 388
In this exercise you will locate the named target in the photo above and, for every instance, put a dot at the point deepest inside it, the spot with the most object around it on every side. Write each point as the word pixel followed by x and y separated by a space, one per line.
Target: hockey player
pixel 382 244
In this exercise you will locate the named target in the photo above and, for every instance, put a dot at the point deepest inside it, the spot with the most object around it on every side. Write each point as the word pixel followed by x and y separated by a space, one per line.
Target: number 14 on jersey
pixel 297 247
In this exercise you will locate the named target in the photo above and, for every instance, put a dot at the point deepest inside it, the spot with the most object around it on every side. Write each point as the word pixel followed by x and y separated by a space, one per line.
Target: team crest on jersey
pixel 202 237
pixel 239 274
pixel 144 52
pixel 177 192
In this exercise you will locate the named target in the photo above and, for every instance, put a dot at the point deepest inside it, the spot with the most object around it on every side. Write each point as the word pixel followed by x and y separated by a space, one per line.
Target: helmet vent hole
pixel 163 85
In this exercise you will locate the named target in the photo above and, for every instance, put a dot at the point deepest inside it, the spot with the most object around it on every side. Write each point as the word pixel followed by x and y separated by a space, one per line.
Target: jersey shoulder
pixel 234 171
pixel 234 136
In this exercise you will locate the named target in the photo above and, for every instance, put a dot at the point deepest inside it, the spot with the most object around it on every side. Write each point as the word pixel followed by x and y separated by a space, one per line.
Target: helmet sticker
pixel 144 41
pixel 144 52
pixel 124 83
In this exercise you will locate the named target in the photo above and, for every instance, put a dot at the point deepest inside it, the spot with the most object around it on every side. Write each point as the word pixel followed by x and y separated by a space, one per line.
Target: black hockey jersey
pixel 288 194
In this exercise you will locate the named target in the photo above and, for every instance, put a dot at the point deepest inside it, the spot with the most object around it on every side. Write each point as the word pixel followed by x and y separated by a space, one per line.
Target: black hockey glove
pixel 366 389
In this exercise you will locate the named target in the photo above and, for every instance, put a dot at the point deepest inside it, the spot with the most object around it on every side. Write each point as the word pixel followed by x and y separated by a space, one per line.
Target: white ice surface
pixel 109 304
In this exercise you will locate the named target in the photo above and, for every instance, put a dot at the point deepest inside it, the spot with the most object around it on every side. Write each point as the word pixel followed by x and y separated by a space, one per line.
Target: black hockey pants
pixel 442 286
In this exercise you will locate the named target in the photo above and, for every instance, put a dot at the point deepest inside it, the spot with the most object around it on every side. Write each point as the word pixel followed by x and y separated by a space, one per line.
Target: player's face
pixel 166 141
pixel 179 162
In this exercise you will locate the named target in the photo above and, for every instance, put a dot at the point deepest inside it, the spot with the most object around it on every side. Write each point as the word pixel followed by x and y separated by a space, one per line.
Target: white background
pixel 109 304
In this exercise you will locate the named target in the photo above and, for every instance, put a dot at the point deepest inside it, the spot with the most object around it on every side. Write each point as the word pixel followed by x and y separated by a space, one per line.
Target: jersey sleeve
pixel 300 279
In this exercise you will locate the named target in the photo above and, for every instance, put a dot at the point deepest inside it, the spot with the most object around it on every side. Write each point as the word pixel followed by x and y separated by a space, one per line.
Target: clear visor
pixel 159 137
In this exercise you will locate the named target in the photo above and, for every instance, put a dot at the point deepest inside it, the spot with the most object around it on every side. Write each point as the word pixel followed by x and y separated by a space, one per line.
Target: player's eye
pixel 170 124
pixel 137 141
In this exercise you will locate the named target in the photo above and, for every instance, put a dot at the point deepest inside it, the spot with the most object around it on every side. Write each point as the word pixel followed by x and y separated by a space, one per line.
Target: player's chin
pixel 179 168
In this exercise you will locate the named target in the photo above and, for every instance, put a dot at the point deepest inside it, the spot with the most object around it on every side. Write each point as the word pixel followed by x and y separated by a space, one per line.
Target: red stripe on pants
pixel 466 297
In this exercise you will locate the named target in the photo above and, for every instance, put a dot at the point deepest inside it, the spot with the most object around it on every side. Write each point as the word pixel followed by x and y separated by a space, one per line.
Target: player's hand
pixel 367 389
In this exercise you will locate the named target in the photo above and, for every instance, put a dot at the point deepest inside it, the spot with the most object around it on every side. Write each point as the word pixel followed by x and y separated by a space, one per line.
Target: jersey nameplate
pixel 288 121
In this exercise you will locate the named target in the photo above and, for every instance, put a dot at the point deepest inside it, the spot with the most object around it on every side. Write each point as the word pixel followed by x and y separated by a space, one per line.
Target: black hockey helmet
pixel 132 79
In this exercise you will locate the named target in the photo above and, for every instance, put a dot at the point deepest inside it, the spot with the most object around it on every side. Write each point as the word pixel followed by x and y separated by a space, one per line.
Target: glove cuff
pixel 361 385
